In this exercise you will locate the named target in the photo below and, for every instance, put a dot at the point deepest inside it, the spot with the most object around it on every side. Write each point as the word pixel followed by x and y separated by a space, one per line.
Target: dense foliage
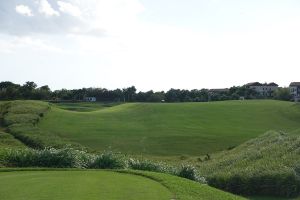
pixel 72 158
pixel 11 91
pixel 267 165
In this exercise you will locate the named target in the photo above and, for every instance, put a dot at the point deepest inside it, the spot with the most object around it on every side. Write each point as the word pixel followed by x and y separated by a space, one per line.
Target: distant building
pixel 295 90
pixel 264 89
pixel 90 99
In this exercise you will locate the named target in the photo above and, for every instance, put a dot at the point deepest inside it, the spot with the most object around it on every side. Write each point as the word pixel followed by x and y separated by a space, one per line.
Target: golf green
pixel 79 185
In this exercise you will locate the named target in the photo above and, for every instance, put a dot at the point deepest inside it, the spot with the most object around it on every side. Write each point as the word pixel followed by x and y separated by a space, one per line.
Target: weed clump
pixel 190 172
pixel 108 160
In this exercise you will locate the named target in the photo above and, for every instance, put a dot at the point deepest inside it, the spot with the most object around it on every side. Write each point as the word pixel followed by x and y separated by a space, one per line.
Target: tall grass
pixel 108 160
pixel 72 158
pixel 49 157
pixel 267 165
pixel 20 119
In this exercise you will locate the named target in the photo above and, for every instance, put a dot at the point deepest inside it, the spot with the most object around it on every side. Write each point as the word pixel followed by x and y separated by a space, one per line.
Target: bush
pixel 108 160
pixel 285 183
pixel 71 158
pixel 190 172
pixel 49 157
pixel 147 165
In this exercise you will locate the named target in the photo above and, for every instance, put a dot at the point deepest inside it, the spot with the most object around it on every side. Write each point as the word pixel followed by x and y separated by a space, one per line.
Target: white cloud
pixel 69 8
pixel 24 10
pixel 84 17
pixel 46 9
pixel 14 44
pixel 115 16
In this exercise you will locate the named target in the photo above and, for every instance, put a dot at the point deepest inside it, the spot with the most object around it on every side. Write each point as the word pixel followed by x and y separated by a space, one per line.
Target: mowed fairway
pixel 79 185
pixel 173 129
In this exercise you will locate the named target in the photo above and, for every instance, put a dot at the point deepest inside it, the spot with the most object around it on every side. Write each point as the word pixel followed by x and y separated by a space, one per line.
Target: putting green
pixel 79 185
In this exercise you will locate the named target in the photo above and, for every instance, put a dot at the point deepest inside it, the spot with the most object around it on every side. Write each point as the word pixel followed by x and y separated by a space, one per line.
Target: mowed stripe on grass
pixel 173 129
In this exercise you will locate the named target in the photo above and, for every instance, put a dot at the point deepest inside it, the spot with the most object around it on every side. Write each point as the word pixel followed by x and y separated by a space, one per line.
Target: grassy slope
pixel 268 164
pixel 172 129
pixel 19 118
pixel 186 189
pixel 103 185
pixel 269 152
pixel 8 141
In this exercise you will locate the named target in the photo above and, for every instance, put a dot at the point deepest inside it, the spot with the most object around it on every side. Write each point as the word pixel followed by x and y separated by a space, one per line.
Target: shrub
pixel 147 165
pixel 283 183
pixel 71 158
pixel 49 157
pixel 190 172
pixel 108 160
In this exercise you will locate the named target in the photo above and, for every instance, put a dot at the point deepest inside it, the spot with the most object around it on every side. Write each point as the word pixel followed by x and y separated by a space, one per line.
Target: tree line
pixel 30 90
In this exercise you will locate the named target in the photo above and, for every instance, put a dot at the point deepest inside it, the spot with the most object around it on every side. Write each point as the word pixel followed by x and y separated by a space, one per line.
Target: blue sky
pixel 149 43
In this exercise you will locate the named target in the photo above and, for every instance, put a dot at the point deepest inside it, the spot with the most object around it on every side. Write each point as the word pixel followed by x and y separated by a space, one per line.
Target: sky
pixel 152 44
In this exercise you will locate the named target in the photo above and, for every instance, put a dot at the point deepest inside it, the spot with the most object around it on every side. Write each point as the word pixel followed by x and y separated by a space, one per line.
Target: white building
pixel 295 90
pixel 264 89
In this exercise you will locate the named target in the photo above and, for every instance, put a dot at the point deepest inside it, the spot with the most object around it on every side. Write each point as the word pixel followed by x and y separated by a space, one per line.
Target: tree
pixel 9 91
pixel 129 93
pixel 173 95
pixel 42 93
pixel 282 94
pixel 27 90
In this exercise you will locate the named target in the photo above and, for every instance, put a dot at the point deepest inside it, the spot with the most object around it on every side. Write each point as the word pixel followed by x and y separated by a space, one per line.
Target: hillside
pixel 266 165
pixel 172 129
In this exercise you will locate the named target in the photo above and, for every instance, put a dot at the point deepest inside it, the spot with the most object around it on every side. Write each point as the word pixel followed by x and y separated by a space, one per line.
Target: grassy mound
pixel 8 141
pixel 104 185
pixel 20 119
pixel 159 129
pixel 267 165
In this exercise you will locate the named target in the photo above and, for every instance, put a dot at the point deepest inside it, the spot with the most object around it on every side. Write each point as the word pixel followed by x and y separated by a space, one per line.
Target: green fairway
pixel 79 185
pixel 85 106
pixel 172 129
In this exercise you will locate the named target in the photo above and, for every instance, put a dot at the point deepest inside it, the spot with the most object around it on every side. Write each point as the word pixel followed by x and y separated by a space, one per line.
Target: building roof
pixel 272 84
pixel 295 84
pixel 261 84
pixel 253 84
